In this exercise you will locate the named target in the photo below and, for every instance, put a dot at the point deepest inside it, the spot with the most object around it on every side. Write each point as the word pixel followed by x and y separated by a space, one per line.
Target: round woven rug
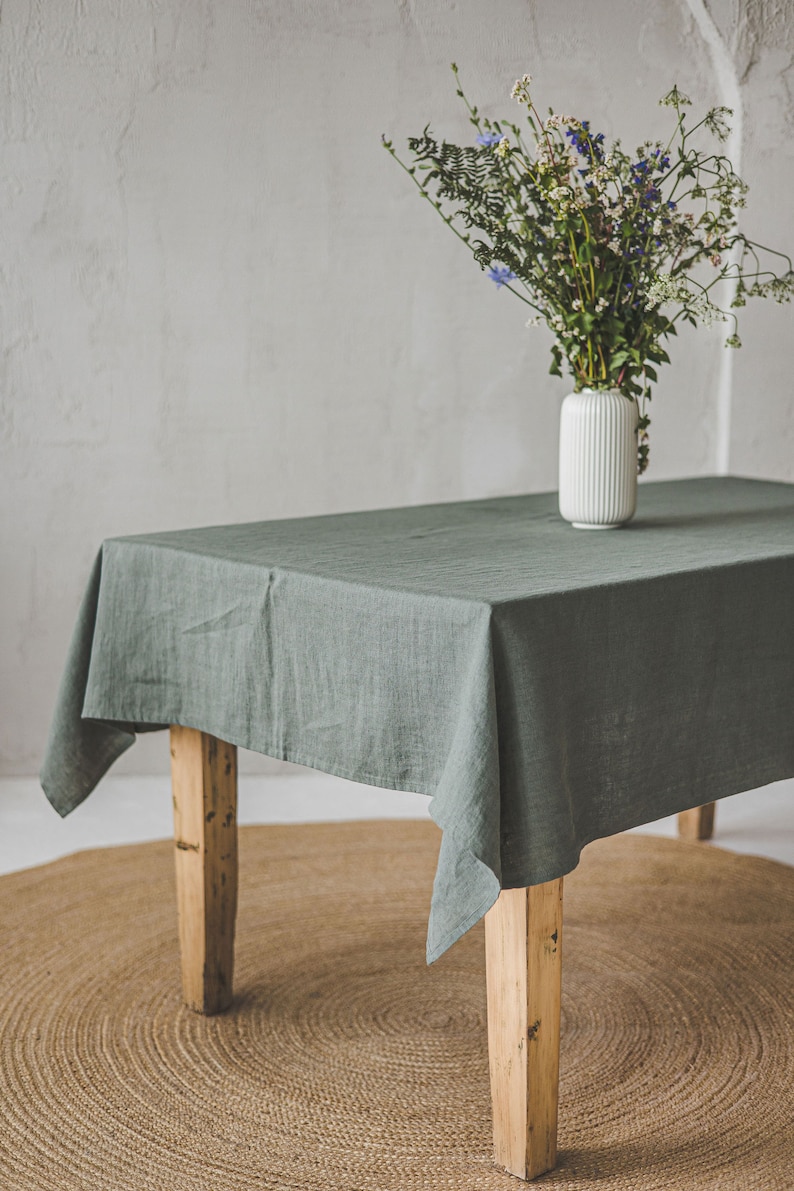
pixel 348 1065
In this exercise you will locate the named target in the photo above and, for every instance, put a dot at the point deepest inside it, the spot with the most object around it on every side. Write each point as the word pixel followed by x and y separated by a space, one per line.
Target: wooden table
pixel 523 949
pixel 545 687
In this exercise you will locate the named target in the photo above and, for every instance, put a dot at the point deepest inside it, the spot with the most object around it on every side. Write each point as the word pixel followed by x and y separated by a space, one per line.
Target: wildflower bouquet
pixel 596 241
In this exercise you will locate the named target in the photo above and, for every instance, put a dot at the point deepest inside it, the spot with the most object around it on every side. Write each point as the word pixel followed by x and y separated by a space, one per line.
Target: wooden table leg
pixel 523 960
pixel 697 823
pixel 204 783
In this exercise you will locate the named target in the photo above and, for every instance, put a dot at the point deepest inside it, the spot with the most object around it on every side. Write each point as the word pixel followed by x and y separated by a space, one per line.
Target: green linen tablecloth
pixel 547 686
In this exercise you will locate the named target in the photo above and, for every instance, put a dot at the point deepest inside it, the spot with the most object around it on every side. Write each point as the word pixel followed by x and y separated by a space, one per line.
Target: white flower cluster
pixel 665 288
pixel 503 147
pixel 543 158
pixel 706 312
pixel 601 176
pixel 566 198
pixel 779 288
pixel 558 121
pixel 560 327
pixel 521 89
pixel 547 162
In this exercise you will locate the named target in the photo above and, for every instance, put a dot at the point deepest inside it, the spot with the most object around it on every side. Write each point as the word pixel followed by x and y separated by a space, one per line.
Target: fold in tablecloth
pixel 546 686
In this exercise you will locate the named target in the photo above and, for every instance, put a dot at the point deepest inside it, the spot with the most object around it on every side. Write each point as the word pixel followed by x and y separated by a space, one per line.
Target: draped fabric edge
pixel 80 751
pixel 83 745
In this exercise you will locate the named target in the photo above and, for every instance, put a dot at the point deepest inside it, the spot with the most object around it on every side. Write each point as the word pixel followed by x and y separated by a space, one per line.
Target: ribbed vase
pixel 598 458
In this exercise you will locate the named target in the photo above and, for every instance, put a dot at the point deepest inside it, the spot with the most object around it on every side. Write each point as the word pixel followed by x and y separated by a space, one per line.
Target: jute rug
pixel 347 1065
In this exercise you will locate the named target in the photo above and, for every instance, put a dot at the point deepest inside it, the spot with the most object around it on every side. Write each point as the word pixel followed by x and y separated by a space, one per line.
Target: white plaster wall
pixel 762 407
pixel 222 301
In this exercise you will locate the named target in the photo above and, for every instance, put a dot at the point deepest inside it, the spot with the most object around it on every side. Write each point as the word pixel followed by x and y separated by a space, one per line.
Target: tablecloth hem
pixel 434 953
pixel 86 784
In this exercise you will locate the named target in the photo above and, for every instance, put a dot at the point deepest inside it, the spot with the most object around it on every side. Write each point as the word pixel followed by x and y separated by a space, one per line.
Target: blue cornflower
pixel 672 206
pixel 501 275
pixel 489 138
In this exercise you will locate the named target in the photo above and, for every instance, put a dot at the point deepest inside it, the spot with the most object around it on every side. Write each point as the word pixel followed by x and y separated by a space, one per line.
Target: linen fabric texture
pixel 545 686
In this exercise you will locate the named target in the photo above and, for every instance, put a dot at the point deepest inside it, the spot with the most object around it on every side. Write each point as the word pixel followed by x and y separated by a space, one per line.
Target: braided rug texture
pixel 346 1064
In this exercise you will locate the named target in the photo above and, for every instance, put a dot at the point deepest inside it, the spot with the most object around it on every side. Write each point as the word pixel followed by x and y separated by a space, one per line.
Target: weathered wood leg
pixel 523 960
pixel 697 823
pixel 204 782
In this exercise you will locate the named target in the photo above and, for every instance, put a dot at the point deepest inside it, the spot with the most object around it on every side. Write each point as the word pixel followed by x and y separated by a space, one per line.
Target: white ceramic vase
pixel 598 458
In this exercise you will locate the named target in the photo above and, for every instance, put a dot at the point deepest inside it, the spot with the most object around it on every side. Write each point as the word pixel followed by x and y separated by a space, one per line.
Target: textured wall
pixel 222 301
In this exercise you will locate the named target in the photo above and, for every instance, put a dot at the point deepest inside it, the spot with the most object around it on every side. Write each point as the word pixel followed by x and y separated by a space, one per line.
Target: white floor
pixel 132 809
